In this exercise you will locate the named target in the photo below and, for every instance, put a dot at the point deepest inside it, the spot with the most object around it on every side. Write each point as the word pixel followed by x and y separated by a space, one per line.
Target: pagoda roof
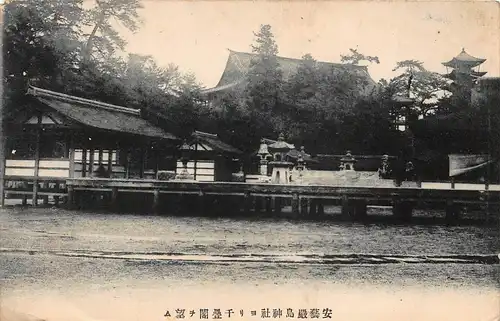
pixel 475 74
pixel 463 58
pixel 238 64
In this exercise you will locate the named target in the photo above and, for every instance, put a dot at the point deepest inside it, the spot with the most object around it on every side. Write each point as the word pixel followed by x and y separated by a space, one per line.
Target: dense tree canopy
pixel 62 46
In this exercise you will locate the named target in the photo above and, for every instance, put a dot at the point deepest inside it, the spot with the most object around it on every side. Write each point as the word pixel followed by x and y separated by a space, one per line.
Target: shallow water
pixel 133 267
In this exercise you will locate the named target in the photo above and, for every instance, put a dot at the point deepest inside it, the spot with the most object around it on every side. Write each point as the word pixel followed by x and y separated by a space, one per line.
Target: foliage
pixel 43 41
pixel 426 87
pixel 355 58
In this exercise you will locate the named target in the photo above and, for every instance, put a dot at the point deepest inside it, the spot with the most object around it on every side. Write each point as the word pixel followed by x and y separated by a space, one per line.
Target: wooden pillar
pixel 156 201
pixel 84 161
pixel 100 156
pixel 37 161
pixel 295 204
pixel 91 160
pixel 143 151
pixel 110 163
pixel 127 165
pixel 303 206
pixel 71 197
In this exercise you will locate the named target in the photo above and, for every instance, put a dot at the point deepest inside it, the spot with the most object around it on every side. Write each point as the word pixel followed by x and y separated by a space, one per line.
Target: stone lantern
pixel 185 156
pixel 281 167
pixel 264 156
pixel 347 162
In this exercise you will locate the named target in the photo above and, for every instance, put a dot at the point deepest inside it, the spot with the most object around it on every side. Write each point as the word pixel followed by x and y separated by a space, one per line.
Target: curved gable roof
pixel 238 64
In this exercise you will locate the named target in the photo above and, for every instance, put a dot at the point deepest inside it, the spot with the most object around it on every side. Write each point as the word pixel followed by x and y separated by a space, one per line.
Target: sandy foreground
pixel 150 302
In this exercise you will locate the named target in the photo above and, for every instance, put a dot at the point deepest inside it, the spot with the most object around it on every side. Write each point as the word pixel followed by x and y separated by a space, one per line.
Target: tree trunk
pixel 90 41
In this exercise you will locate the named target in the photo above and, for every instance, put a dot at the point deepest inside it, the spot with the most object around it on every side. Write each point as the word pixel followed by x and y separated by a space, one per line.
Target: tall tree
pixel 264 80
pixel 103 38
pixel 424 86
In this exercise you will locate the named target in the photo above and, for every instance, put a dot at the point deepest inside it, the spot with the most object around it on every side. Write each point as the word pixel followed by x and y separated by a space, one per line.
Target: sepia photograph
pixel 167 160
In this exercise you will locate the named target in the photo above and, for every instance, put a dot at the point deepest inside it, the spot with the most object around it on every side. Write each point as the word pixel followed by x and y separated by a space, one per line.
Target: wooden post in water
pixel 114 198
pixel 45 198
pixel 156 201
pixel 37 161
pixel 452 211
pixel 258 204
pixel 71 197
pixel 360 209
pixel 277 204
pixel 402 209
pixel 295 204
pixel 321 208
pixel 303 206
pixel 347 208
pixel 313 208
pixel 247 203
pixel 269 204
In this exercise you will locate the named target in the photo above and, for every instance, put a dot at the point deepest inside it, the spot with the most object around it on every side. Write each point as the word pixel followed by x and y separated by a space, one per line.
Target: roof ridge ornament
pixel 205 133
pixel 45 93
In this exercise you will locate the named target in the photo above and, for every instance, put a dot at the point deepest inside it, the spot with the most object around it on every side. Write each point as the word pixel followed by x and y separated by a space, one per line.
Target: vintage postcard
pixel 250 160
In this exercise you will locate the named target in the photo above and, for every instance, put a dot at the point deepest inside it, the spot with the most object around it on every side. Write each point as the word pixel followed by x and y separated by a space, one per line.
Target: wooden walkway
pixel 254 197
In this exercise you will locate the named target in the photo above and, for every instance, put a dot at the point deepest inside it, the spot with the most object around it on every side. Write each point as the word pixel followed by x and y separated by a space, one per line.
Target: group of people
pixel 400 172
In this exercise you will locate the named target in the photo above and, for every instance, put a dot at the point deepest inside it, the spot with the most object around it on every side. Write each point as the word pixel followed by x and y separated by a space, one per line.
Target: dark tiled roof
pixel 214 142
pixel 99 115
pixel 238 64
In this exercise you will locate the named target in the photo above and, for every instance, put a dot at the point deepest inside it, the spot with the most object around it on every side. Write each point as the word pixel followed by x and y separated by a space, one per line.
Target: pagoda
pixel 463 76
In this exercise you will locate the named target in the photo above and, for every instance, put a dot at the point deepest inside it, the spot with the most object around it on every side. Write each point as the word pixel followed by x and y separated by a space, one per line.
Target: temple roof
pixel 463 58
pixel 99 115
pixel 214 142
pixel 238 64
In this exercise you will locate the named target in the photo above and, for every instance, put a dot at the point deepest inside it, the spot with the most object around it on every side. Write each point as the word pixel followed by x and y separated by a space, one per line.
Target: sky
pixel 195 35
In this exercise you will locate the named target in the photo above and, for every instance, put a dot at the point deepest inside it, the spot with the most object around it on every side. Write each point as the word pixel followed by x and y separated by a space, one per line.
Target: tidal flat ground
pixel 65 265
